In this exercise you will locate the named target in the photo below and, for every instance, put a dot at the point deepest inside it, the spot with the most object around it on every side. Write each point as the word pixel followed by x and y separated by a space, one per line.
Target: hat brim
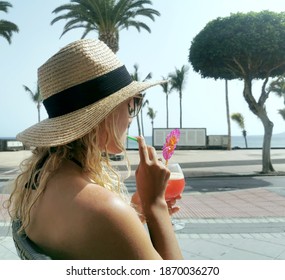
pixel 67 128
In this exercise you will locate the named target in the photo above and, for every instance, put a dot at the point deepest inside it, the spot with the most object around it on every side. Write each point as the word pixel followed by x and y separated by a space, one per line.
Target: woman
pixel 70 201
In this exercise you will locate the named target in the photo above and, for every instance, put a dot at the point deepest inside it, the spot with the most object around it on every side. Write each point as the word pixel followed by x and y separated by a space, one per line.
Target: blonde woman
pixel 69 201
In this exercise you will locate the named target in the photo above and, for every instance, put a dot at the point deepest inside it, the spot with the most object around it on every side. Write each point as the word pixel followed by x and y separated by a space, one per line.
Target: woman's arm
pixel 152 177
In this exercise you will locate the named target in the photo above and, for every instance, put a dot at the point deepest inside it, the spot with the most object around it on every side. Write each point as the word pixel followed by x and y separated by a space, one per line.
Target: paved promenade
pixel 246 223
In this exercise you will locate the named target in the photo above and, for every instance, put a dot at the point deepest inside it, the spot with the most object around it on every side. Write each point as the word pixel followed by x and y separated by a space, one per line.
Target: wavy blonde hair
pixel 37 170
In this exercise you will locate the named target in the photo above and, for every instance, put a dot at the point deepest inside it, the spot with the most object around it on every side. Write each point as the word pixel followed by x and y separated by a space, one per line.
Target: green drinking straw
pixel 132 138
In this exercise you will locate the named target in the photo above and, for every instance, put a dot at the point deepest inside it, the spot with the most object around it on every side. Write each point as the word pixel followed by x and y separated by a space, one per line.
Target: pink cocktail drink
pixel 175 185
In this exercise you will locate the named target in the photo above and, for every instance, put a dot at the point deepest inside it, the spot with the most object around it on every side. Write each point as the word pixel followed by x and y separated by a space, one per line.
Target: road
pixel 213 184
pixel 201 184
pixel 219 184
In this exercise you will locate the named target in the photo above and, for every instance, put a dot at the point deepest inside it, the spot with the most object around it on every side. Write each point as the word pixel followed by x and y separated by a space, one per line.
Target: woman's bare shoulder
pixel 83 220
pixel 110 227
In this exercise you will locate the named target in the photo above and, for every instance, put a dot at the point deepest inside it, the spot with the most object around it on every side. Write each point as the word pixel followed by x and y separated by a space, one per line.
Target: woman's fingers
pixel 147 153
pixel 152 154
pixel 173 200
pixel 143 150
pixel 173 210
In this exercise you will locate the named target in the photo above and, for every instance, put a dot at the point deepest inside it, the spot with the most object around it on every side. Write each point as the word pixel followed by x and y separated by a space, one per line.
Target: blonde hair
pixel 37 170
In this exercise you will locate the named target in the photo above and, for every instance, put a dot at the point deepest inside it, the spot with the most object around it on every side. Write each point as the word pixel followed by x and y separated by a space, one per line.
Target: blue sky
pixel 160 52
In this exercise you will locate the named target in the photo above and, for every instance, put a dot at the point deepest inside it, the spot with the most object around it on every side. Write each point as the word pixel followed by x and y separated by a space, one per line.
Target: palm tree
pixel 6 27
pixel 177 81
pixel 135 77
pixel 107 17
pixel 36 98
pixel 152 114
pixel 166 90
pixel 239 119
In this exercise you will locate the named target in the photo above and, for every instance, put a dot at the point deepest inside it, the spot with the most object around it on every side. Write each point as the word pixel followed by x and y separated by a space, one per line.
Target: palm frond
pixel 150 13
pixel 148 77
pixel 136 24
pixel 178 78
pixel 135 75
pixel 88 29
pixel 4 6
pixel 146 102
pixel 7 28
pixel 239 119
pixel 151 113
pixel 35 96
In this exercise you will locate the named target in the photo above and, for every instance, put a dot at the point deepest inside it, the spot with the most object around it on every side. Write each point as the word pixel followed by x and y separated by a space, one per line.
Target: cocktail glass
pixel 175 187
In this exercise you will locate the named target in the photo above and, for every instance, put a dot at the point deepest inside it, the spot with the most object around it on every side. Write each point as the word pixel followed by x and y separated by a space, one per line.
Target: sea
pixel 253 142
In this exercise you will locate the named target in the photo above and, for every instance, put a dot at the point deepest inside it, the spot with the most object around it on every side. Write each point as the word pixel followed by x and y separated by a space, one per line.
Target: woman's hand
pixel 172 208
pixel 151 176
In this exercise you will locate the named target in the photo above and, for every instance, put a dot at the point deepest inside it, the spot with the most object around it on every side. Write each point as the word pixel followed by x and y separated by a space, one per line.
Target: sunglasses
pixel 135 105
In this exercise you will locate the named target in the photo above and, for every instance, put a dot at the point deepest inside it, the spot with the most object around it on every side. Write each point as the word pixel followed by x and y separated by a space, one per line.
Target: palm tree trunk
pixel 139 126
pixel 39 111
pixel 228 117
pixel 110 40
pixel 167 112
pixel 245 141
pixel 152 132
pixel 141 112
pixel 180 97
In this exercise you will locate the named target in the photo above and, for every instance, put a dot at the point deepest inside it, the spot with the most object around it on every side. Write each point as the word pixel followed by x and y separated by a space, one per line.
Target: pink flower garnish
pixel 170 144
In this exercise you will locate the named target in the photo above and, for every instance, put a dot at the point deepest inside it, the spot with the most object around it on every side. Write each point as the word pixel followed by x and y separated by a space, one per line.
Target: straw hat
pixel 80 85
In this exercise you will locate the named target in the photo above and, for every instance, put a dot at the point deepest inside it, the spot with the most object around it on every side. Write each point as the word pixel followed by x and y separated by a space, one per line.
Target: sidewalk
pixel 239 224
